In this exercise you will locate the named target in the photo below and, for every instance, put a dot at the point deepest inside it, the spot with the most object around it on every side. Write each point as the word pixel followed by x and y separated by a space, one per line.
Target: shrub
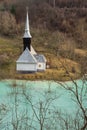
pixel 7 23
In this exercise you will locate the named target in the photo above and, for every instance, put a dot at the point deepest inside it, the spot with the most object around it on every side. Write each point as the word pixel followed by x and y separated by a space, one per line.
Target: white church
pixel 29 60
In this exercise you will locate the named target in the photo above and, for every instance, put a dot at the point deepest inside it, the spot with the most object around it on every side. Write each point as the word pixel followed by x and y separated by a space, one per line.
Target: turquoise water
pixel 41 95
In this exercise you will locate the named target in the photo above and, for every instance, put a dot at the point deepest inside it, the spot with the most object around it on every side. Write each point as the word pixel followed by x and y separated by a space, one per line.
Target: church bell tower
pixel 27 36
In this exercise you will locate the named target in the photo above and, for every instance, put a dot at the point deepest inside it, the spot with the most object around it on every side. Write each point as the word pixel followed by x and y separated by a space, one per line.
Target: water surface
pixel 13 102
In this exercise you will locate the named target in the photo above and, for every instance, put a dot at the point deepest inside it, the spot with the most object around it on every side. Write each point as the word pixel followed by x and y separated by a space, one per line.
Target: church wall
pixel 41 66
pixel 26 67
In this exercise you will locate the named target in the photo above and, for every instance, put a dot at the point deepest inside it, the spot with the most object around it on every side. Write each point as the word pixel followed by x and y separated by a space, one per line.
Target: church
pixel 29 60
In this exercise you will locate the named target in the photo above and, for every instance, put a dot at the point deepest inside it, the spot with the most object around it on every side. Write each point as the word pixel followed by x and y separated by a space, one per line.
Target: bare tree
pixel 54 3
pixel 34 109
pixel 79 92
pixel 43 108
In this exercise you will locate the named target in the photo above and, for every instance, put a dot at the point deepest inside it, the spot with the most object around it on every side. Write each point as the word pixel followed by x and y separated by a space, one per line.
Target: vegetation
pixel 59 31
pixel 12 48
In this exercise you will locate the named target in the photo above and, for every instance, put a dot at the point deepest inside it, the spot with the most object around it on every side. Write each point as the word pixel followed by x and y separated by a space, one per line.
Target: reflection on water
pixel 40 105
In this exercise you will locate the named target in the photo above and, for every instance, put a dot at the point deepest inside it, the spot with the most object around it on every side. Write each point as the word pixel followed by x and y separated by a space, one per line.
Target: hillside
pixel 59 31
pixel 61 67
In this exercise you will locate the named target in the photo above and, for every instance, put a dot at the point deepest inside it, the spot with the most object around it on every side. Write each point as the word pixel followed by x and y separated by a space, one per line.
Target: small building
pixel 41 62
pixel 26 62
pixel 29 60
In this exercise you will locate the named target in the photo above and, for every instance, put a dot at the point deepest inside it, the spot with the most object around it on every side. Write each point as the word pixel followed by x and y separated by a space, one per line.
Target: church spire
pixel 27 29
pixel 27 36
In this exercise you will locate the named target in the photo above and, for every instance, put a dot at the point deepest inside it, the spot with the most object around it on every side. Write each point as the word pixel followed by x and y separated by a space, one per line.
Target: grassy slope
pixel 43 42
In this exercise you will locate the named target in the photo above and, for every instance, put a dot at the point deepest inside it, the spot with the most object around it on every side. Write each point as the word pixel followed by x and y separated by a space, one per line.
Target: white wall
pixel 41 66
pixel 26 67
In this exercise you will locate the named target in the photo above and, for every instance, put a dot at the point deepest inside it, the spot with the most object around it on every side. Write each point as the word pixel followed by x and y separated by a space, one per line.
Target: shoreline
pixel 44 80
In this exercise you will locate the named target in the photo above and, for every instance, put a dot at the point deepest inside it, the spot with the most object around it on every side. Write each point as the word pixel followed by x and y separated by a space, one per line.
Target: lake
pixel 41 105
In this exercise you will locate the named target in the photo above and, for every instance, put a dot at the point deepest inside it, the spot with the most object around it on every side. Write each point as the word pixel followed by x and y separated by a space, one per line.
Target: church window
pixel 39 65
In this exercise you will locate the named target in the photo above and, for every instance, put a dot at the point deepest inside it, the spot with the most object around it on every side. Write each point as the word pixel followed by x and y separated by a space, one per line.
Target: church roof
pixel 27 29
pixel 40 58
pixel 33 52
pixel 26 57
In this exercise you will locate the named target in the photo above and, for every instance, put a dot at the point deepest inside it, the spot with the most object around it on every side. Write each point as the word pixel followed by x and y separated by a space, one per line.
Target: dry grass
pixel 81 52
pixel 10 50
pixel 55 73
